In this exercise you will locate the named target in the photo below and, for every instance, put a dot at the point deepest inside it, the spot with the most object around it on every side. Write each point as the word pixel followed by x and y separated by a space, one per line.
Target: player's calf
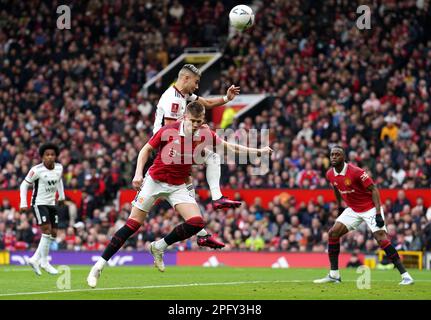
pixel 393 255
pixel 114 245
pixel 185 230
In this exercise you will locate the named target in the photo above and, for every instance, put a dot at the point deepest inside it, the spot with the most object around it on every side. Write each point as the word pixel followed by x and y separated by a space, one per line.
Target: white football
pixel 241 17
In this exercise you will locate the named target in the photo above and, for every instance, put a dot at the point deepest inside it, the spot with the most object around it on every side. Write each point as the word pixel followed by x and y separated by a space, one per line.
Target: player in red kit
pixel 178 147
pixel 357 189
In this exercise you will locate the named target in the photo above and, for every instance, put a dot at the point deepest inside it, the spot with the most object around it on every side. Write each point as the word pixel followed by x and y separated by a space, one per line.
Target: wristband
pixel 225 99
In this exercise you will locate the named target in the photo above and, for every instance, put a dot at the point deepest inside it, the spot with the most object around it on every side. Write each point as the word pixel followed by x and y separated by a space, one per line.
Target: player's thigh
pixel 181 199
pixel 53 216
pixel 150 191
pixel 42 214
pixel 188 210
pixel 370 219
pixel 350 219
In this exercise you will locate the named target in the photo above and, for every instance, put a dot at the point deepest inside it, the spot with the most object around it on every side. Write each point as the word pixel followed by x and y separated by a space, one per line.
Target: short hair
pixel 339 147
pixel 190 68
pixel 196 109
pixel 49 146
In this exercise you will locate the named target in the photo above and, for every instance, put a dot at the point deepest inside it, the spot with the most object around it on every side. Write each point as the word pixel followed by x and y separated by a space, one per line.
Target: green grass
pixel 199 283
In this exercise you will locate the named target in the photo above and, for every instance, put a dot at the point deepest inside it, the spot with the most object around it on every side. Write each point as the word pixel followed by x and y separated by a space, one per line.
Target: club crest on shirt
pixel 347 182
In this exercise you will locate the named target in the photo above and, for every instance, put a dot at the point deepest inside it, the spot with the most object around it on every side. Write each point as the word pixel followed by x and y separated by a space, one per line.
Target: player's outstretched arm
pixel 237 148
pixel 143 156
pixel 215 102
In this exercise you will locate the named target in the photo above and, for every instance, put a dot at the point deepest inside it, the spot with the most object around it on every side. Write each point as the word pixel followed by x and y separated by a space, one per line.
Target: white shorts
pixel 352 219
pixel 152 190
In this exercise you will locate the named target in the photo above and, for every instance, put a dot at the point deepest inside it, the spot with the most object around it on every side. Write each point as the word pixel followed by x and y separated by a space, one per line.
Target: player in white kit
pixel 171 107
pixel 46 179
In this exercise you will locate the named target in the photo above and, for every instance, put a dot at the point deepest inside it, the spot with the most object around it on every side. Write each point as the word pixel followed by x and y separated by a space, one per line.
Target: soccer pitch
pixel 199 283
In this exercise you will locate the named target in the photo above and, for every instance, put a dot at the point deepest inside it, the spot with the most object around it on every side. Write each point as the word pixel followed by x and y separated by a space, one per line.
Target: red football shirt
pixel 352 182
pixel 177 153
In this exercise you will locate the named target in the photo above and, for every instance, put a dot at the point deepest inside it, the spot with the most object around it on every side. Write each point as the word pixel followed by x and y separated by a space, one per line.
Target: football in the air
pixel 241 17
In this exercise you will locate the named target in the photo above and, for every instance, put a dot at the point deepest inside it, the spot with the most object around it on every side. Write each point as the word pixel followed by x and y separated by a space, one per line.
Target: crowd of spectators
pixel 330 83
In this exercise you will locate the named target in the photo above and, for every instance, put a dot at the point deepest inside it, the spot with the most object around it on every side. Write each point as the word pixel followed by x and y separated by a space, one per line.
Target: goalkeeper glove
pixel 379 221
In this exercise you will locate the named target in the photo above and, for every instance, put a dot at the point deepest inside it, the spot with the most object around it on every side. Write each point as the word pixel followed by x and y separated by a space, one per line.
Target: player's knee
pixel 214 159
pixel 333 233
pixel 46 228
pixel 197 222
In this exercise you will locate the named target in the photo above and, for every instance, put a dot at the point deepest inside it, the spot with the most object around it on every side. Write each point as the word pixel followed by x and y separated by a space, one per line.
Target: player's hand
pixel 379 221
pixel 232 92
pixel 266 150
pixel 23 209
pixel 137 182
pixel 340 210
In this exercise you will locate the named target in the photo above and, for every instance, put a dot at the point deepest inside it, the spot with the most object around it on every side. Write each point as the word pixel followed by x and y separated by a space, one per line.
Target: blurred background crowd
pixel 331 83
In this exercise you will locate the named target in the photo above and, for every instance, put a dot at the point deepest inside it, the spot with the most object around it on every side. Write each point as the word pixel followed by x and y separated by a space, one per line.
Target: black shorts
pixel 46 214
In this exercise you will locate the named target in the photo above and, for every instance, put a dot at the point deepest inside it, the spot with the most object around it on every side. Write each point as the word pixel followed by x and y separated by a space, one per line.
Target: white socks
pixel 202 233
pixel 405 275
pixel 161 244
pixel 213 173
pixel 334 274
pixel 43 249
pixel 100 264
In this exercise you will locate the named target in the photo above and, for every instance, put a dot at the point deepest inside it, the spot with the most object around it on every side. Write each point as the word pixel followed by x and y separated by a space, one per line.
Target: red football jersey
pixel 177 153
pixel 352 182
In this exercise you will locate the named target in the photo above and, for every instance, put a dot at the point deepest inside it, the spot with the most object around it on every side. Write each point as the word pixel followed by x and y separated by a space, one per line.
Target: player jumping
pixel 171 107
pixel 175 144
pixel 46 179
pixel 357 189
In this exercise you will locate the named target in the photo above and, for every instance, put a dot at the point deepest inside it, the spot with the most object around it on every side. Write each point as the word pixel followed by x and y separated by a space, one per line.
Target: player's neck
pixel 180 87
pixel 49 167
pixel 339 167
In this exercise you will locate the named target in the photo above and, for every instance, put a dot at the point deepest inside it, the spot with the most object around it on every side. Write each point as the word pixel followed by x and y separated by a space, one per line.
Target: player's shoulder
pixel 175 125
pixel 37 167
pixel 58 165
pixel 354 169
pixel 330 173
pixel 172 92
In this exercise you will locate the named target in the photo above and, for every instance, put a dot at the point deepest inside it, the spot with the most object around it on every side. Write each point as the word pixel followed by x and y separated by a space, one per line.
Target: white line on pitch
pixel 172 286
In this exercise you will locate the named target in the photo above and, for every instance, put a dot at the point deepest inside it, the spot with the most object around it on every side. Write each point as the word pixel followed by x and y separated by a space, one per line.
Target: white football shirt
pixel 45 185
pixel 172 105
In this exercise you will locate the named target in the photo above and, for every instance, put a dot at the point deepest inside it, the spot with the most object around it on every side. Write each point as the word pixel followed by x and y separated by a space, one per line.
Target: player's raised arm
pixel 215 102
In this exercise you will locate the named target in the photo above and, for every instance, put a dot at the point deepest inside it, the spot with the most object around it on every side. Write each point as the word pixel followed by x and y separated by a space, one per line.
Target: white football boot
pixel 328 279
pixel 35 265
pixel 158 257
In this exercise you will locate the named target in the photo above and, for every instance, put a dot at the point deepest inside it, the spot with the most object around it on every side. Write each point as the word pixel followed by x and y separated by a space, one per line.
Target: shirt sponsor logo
pixel 364 176
pixel 346 191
